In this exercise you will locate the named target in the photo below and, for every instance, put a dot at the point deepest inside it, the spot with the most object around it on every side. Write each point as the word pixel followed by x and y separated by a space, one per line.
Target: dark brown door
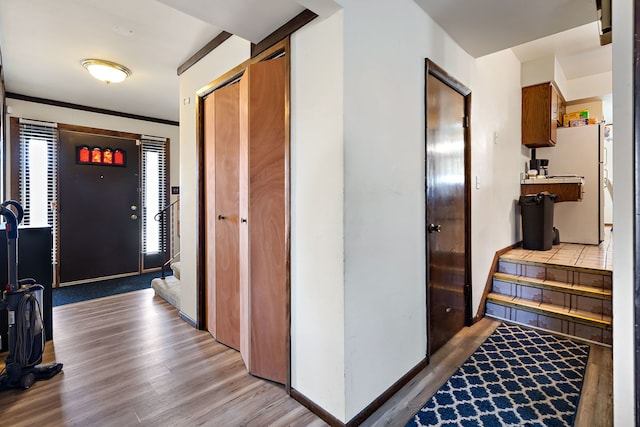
pixel 446 211
pixel 99 206
pixel 221 186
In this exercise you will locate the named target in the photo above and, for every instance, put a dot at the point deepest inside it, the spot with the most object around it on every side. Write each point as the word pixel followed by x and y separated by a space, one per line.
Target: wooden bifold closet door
pixel 264 322
pixel 246 155
pixel 222 183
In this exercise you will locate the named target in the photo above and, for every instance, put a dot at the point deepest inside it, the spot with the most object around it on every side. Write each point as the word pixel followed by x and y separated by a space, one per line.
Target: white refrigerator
pixel 579 151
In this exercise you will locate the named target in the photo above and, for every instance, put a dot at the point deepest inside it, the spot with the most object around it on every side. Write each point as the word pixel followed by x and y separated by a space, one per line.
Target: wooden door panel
pixel 446 209
pixel 221 186
pixel 98 209
pixel 264 286
pixel 210 209
pixel 226 195
pixel 243 233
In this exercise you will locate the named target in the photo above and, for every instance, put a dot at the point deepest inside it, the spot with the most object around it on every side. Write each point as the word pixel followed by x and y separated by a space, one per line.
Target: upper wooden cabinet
pixel 542 109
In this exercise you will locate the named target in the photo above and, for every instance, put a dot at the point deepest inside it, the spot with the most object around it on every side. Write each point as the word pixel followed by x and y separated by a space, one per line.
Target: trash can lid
pixel 536 199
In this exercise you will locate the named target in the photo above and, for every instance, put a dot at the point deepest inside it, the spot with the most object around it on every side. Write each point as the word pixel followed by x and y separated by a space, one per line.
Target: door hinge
pixel 465 122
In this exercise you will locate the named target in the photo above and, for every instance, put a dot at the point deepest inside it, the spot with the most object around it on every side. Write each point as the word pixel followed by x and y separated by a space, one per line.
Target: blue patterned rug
pixel 517 377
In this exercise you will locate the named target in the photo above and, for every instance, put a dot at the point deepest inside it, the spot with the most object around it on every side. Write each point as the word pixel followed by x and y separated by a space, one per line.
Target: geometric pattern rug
pixel 517 377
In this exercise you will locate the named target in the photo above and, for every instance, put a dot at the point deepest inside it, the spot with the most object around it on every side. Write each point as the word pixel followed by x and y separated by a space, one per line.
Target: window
pixel 154 197
pixel 37 171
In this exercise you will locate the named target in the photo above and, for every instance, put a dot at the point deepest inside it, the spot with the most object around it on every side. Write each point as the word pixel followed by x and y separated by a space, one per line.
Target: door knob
pixel 220 217
pixel 433 228
pixel 243 220
pixel 134 216
pixel 134 207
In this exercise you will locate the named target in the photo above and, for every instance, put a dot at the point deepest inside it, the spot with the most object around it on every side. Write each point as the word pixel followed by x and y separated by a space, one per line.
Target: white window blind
pixel 37 173
pixel 154 194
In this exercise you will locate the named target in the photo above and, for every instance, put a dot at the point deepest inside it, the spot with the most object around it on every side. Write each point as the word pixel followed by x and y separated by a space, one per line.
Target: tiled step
pixel 571 300
pixel 503 280
pixel 563 313
pixel 550 317
pixel 596 278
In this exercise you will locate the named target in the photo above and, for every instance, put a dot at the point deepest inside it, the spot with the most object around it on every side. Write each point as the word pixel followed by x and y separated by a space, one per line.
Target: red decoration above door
pixel 100 156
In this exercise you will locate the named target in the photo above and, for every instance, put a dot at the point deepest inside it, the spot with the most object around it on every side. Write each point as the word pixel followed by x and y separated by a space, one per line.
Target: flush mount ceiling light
pixel 107 71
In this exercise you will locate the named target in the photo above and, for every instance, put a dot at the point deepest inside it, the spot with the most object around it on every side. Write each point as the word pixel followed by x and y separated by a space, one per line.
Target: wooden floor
pixel 129 360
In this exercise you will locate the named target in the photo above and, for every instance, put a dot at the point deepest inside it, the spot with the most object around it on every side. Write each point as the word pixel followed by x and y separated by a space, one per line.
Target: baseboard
pixel 316 409
pixel 376 404
pixel 369 409
pixel 188 319
pixel 489 282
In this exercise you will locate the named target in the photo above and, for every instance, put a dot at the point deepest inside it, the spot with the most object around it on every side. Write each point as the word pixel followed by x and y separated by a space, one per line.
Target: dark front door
pixel 447 252
pixel 99 208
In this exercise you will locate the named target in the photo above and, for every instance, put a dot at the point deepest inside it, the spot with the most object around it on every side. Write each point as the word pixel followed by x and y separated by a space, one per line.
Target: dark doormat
pixel 103 288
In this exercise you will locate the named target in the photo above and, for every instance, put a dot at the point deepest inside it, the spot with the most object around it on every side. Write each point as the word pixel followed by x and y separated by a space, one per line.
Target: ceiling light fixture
pixel 107 71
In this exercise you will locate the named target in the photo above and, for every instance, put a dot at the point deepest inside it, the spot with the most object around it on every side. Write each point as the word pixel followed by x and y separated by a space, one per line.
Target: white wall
pixel 590 86
pixel 559 77
pixel 232 52
pixel 623 216
pixel 497 158
pixel 50 113
pixel 538 71
pixel 385 320
pixel 317 211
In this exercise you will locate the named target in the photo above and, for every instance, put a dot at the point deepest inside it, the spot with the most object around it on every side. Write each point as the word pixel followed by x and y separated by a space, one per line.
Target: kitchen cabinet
pixel 542 107
pixel 565 189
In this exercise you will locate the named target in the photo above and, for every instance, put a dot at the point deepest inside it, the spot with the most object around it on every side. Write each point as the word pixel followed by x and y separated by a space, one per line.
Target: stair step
pixel 595 278
pixel 587 291
pixel 562 313
pixel 598 271
pixel 168 289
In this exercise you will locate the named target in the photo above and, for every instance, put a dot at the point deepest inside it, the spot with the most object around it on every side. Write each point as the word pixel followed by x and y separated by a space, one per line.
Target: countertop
pixel 554 180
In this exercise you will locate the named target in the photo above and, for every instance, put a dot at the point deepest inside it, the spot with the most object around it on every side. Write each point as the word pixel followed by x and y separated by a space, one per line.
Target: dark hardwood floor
pixel 130 360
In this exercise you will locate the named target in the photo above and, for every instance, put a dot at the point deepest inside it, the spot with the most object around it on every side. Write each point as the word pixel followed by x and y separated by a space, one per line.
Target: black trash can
pixel 537 221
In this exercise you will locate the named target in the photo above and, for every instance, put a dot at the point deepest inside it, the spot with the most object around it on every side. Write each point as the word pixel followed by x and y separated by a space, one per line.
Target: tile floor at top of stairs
pixel 583 257
pixel 587 265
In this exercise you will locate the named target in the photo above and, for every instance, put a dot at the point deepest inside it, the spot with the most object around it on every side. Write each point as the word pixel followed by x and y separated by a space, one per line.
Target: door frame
pixel 636 205
pixel 431 68
pixel 14 138
pixel 278 49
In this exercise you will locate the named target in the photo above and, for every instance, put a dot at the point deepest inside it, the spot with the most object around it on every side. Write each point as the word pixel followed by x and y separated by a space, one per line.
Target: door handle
pixel 243 220
pixel 221 217
pixel 134 217
pixel 433 228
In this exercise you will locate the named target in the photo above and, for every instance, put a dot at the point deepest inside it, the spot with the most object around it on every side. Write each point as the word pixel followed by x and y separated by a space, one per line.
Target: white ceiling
pixel 486 26
pixel 224 13
pixel 43 42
